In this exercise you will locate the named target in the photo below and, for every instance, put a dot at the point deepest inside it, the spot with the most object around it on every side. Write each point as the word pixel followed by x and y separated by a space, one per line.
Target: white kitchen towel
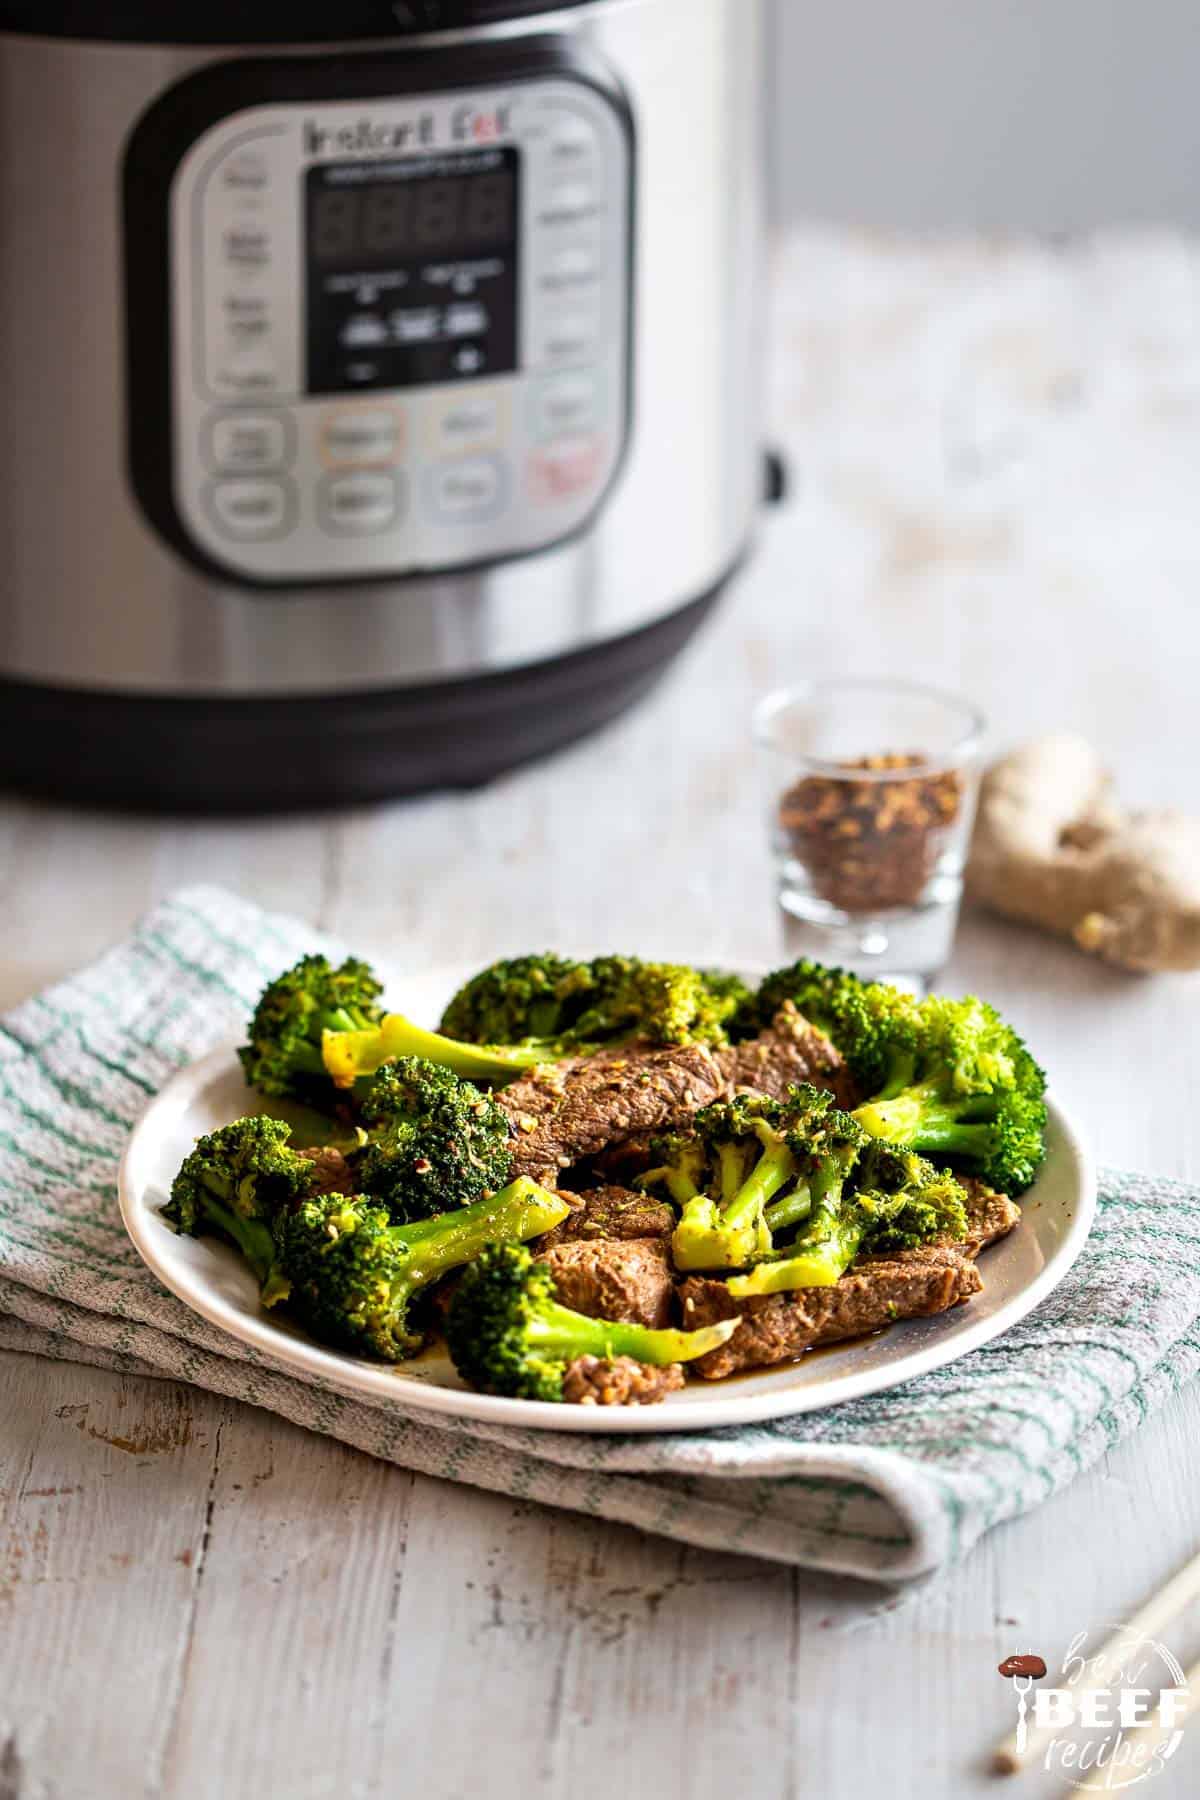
pixel 891 1487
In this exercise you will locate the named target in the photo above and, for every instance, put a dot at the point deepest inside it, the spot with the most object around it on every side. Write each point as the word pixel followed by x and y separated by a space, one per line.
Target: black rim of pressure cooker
pixel 234 22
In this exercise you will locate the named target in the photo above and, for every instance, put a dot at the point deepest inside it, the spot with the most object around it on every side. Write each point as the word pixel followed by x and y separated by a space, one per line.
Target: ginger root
pixel 1051 848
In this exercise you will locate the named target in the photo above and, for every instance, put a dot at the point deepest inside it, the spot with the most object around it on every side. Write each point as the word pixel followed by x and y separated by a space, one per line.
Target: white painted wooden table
pixel 995 452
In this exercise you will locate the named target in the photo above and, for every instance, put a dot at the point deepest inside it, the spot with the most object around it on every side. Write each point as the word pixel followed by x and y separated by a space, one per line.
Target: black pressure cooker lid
pixel 241 22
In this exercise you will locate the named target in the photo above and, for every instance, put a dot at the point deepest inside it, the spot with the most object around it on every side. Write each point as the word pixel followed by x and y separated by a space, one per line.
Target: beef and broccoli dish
pixel 598 1179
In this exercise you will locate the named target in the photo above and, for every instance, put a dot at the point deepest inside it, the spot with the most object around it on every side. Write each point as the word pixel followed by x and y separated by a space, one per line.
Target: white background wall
pixel 1041 114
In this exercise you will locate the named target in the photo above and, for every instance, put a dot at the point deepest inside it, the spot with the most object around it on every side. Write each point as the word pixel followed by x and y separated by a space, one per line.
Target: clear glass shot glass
pixel 870 789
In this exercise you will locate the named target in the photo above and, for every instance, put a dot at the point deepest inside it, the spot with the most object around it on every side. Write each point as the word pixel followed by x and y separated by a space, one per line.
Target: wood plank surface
pixel 994 452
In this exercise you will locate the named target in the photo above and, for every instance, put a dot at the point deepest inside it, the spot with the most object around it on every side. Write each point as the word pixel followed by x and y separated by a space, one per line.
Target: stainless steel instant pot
pixel 382 388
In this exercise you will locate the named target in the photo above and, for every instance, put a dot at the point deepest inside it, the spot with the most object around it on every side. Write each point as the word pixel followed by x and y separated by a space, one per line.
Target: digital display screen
pixel 411 270
pixel 450 216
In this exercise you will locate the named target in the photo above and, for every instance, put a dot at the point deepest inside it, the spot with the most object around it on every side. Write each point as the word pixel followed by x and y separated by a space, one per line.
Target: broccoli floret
pixel 871 1023
pixel 826 1144
pixel 823 1250
pixel 434 1142
pixel 566 1007
pixel 1005 1149
pixel 508 1334
pixel 721 1173
pixel 966 1089
pixel 548 1009
pixel 822 993
pixel 352 1277
pixel 893 1201
pixel 657 1003
pixel 935 1209
pixel 749 1167
pixel 283 1057
pixel 891 1168
pixel 519 998
pixel 235 1183
pixel 729 993
pixel 946 1077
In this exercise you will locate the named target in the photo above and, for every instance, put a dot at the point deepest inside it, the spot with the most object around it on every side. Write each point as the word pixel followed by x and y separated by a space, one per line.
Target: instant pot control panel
pixel 391 329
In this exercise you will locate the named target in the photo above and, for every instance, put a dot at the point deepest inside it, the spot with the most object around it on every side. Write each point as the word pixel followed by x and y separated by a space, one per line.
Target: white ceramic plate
pixel 1017 1273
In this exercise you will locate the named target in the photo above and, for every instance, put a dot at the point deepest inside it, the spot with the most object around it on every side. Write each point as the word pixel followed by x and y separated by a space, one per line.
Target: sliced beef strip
pixel 628 1281
pixel 593 1381
pixel 622 1163
pixel 565 1113
pixel 777 1327
pixel 610 1259
pixel 332 1174
pixel 790 1050
pixel 611 1212
pixel 989 1215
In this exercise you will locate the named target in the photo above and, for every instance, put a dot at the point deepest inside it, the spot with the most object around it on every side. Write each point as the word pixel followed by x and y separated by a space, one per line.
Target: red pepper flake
pixel 868 845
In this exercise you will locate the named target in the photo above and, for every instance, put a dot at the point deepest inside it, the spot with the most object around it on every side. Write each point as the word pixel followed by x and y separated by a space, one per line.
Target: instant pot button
pixel 247 246
pixel 247 319
pixel 245 172
pixel 466 488
pixel 355 505
pixel 250 509
pixel 247 441
pixel 570 269
pixel 361 434
pixel 566 405
pixel 250 371
pixel 569 203
pixel 566 472
pixel 467 422
pixel 568 337
pixel 572 141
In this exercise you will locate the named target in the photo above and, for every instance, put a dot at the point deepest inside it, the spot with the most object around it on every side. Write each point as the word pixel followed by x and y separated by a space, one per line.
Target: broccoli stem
pixel 348 1055
pixel 731 1161
pixel 793 1209
pixel 678 1184
pixel 560 1334
pixel 681 1179
pixel 820 1257
pixel 521 1210
pixel 708 1237
pixel 943 1134
pixel 901 1072
pixel 699 1242
pixel 772 1171
pixel 918 1119
pixel 711 1235
pixel 304 1058
pixel 343 1018
pixel 251 1236
pixel 814 1268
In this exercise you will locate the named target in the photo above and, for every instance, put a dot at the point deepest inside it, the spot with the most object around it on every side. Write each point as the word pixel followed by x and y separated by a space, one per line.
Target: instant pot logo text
pixel 367 136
